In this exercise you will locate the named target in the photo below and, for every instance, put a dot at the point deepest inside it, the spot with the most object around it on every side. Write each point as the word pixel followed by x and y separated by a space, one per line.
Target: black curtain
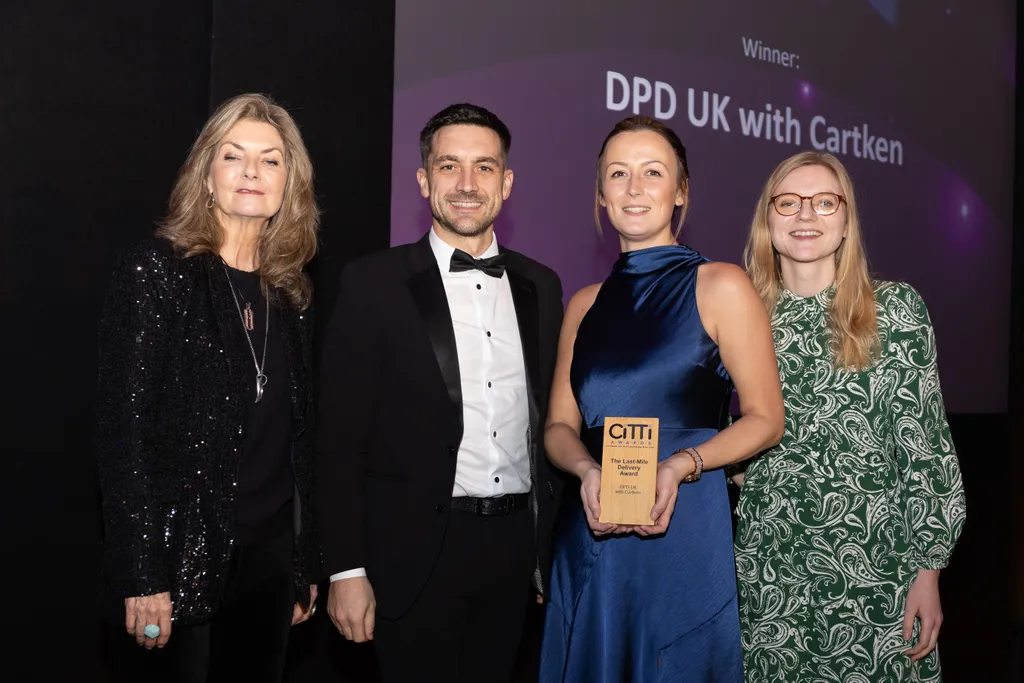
pixel 101 101
pixel 1014 529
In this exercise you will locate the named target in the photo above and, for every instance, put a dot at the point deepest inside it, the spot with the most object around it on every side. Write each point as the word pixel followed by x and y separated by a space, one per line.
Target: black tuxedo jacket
pixel 391 416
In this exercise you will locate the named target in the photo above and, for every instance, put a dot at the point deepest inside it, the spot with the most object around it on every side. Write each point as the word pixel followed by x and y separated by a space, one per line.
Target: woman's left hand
pixel 671 473
pixel 300 615
pixel 923 603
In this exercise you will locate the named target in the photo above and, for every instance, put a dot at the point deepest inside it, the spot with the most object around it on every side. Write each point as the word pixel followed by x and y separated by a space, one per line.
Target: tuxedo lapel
pixel 428 293
pixel 524 296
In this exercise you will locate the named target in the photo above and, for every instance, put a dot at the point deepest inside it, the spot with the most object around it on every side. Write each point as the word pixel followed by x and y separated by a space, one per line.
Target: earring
pixel 210 201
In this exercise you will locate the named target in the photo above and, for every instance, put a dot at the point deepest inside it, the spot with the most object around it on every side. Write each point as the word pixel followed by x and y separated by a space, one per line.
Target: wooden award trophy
pixel 629 470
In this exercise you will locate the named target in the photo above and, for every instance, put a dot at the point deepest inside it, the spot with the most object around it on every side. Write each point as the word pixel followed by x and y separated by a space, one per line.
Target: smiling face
pixel 248 175
pixel 807 237
pixel 466 181
pixel 640 188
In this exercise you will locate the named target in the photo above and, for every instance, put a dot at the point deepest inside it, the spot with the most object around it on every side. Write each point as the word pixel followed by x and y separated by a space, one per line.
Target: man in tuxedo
pixel 435 497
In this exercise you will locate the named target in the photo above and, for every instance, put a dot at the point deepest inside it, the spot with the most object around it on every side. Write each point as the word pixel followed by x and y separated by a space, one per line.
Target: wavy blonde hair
pixel 289 241
pixel 852 320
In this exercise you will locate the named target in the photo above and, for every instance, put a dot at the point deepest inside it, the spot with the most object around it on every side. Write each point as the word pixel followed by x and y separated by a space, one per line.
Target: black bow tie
pixel 493 266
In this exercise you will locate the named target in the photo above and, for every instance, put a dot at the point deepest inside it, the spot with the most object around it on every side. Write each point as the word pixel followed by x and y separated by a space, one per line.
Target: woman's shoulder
pixel 587 292
pixel 155 262
pixel 902 314
pixel 581 301
pixel 722 271
pixel 724 281
pixel 893 294
pixel 150 252
pixel 887 289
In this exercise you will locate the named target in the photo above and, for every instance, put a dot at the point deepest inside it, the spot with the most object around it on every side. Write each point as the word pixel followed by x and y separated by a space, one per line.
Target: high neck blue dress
pixel 629 608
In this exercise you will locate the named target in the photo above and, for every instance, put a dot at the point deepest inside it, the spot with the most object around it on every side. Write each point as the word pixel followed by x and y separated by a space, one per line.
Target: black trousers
pixel 467 623
pixel 247 639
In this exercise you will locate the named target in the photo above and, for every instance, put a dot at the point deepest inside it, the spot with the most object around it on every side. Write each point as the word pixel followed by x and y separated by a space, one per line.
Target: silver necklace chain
pixel 261 379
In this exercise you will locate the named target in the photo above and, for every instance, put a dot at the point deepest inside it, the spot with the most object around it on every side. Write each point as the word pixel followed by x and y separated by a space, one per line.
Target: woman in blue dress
pixel 668 334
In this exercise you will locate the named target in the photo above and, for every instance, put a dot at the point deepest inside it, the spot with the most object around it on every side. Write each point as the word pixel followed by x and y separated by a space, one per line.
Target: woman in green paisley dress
pixel 844 526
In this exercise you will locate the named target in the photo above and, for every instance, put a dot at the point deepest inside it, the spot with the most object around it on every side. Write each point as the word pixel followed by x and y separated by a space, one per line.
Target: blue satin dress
pixel 626 608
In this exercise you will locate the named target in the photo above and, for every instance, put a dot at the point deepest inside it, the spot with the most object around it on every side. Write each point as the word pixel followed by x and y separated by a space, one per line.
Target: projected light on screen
pixel 889 9
pixel 806 92
pixel 965 221
pixel 932 164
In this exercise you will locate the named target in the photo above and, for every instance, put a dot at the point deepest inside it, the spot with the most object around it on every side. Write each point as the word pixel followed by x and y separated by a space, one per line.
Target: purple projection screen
pixel 916 98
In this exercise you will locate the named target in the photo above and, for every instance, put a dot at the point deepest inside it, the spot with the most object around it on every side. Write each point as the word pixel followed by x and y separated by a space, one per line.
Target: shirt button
pixel 496 480
pixel 494 433
pixel 441 509
pixel 451 450
pixel 488 333
pixel 478 286
pixel 488 385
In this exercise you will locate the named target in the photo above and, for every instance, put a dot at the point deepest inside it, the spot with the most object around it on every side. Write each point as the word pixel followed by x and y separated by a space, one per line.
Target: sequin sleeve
pixel 925 453
pixel 133 341
pixel 307 558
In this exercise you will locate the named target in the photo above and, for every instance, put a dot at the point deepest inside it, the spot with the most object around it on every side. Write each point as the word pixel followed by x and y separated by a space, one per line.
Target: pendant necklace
pixel 247 325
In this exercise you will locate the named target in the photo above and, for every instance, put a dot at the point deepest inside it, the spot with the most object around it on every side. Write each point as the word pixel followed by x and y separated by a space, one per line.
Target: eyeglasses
pixel 823 203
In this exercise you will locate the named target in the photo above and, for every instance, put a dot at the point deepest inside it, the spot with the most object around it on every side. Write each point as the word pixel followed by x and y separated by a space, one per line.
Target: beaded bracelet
pixel 698 464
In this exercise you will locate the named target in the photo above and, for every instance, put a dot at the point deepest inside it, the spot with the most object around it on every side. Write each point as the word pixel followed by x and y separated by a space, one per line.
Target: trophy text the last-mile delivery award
pixel 629 470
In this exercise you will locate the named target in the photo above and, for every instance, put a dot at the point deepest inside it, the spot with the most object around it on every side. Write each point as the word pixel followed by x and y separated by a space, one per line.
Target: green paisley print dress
pixel 863 490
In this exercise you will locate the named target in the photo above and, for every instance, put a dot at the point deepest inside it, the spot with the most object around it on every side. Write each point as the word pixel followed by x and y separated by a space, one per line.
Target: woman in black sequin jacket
pixel 205 406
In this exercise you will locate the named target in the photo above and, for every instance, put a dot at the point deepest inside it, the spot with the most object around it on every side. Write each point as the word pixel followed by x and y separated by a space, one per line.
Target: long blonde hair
pixel 289 241
pixel 852 320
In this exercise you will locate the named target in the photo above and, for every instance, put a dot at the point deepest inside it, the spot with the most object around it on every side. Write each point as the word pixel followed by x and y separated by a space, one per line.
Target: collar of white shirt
pixel 443 251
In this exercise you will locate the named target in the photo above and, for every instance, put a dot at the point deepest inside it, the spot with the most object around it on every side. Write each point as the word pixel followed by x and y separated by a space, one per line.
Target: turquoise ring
pixel 151 631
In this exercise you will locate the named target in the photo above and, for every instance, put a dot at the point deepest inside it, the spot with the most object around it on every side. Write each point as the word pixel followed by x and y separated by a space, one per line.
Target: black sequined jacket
pixel 171 428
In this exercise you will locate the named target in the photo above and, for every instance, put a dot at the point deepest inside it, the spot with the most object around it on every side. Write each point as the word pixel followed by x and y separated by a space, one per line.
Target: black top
pixel 265 483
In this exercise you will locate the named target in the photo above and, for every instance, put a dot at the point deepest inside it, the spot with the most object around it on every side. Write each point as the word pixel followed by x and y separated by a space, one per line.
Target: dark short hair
pixel 468 115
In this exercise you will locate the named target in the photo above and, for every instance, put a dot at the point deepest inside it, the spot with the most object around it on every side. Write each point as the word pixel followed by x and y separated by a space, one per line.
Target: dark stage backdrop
pixel 101 102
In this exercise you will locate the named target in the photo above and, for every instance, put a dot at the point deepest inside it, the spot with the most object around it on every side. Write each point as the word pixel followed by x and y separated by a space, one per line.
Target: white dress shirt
pixel 493 458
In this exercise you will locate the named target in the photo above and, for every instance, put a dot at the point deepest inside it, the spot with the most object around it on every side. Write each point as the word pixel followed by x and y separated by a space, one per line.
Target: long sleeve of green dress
pixel 925 454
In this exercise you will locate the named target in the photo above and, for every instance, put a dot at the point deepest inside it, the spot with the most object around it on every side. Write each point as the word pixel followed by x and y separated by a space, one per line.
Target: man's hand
pixel 352 608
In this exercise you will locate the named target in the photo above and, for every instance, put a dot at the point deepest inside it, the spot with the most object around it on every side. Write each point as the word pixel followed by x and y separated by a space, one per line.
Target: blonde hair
pixel 289 241
pixel 636 124
pixel 852 319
